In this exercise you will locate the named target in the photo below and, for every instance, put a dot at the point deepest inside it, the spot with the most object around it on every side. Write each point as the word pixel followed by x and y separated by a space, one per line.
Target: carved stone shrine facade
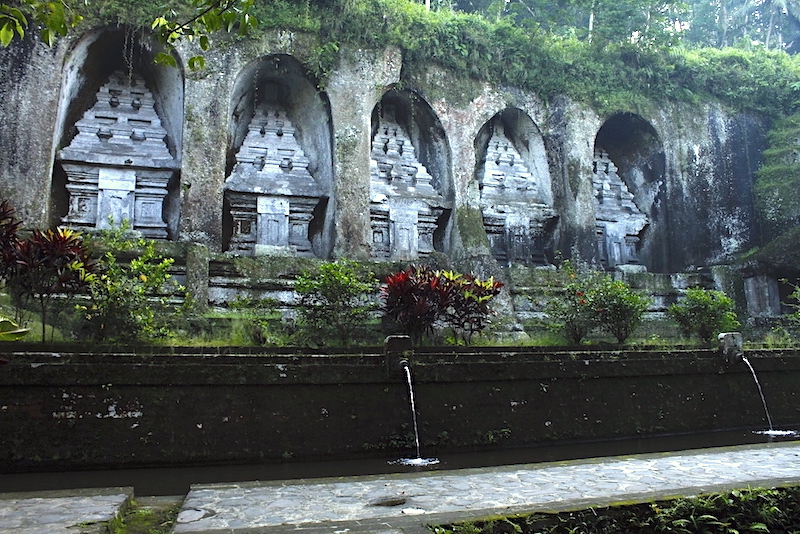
pixel 118 165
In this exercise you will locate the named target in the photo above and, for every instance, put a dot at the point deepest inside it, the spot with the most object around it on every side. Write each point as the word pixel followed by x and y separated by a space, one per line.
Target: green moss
pixel 471 48
pixel 779 255
pixel 470 227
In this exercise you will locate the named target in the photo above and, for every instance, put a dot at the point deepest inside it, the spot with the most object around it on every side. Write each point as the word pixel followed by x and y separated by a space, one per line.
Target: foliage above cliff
pixel 617 63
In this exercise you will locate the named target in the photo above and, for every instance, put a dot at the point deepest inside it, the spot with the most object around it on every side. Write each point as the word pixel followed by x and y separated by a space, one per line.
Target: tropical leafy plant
pixel 469 311
pixel 50 263
pixel 419 299
pixel 10 331
pixel 705 313
pixel 335 299
pixel 9 239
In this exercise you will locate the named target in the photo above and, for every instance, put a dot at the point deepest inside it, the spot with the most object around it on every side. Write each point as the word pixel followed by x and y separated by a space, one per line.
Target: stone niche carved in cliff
pixel 618 221
pixel 271 192
pixel 118 166
pixel 277 189
pixel 516 199
pixel 407 210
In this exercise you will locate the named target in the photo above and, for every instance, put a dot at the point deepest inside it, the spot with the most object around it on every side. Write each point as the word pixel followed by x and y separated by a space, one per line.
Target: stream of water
pixel 418 460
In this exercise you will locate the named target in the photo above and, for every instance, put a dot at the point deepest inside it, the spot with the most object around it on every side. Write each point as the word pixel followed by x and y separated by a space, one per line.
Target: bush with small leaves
pixel 335 299
pixel 129 297
pixel 704 312
pixel 619 308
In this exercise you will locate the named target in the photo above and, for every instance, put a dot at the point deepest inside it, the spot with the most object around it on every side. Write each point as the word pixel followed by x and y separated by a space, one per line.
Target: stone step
pixel 78 511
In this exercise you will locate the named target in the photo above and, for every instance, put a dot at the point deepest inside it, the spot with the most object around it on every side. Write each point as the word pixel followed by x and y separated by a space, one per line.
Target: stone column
pixel 354 90
pixel 31 77
pixel 204 156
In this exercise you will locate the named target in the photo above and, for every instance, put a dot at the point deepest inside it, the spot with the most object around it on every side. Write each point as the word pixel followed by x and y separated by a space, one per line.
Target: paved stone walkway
pixel 405 503
pixel 390 504
pixel 83 511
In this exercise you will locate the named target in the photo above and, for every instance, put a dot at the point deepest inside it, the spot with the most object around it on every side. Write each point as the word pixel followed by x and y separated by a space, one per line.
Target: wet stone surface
pixel 406 503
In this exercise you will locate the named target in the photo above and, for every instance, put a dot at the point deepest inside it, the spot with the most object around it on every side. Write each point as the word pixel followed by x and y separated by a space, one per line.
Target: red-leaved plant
pixel 48 263
pixel 419 299
pixel 9 228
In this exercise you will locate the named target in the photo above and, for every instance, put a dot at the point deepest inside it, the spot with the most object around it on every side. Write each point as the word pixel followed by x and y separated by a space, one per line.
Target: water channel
pixel 176 480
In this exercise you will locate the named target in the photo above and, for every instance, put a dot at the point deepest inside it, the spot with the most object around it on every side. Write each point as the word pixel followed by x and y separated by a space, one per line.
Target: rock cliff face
pixel 473 171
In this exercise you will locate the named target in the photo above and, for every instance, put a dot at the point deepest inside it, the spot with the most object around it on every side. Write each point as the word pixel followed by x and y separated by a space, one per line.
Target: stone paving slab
pixel 81 511
pixel 405 503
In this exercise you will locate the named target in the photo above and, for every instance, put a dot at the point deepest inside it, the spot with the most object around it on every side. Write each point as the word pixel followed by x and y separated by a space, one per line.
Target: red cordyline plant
pixel 9 228
pixel 418 299
pixel 48 263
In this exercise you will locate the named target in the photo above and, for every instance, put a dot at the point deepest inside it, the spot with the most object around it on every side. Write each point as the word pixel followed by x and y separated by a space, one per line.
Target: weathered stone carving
pixel 271 193
pixel 118 165
pixel 618 220
pixel 762 295
pixel 515 214
pixel 404 206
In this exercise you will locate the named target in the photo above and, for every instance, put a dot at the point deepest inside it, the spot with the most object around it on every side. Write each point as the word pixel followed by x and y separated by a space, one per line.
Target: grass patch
pixel 738 511
pixel 156 517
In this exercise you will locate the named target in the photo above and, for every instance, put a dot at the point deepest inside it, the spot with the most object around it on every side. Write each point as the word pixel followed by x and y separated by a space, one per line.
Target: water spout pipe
pixel 397 349
pixel 731 346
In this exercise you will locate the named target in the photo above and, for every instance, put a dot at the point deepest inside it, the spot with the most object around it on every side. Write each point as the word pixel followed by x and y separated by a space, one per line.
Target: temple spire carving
pixel 405 208
pixel 118 165
pixel 618 220
pixel 516 213
pixel 271 193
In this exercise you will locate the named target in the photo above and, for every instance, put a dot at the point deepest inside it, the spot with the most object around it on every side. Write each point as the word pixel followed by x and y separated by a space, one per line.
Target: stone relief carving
pixel 618 220
pixel 271 193
pixel 404 206
pixel 118 165
pixel 515 214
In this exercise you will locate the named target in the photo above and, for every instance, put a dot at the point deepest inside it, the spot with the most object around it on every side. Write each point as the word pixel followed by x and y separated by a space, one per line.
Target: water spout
pixel 760 391
pixel 418 460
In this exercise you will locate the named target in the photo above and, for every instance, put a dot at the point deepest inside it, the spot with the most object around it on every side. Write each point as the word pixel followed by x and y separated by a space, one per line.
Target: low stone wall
pixel 61 409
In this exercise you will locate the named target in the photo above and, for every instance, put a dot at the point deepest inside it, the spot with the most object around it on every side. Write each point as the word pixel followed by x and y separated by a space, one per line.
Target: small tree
pixel 573 312
pixel 592 300
pixel 705 313
pixel 335 299
pixel 619 308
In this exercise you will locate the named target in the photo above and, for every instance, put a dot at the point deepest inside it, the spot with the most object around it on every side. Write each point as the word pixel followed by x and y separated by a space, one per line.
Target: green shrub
pixel 259 316
pixel 704 312
pixel 130 300
pixel 335 299
pixel 594 301
pixel 619 308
